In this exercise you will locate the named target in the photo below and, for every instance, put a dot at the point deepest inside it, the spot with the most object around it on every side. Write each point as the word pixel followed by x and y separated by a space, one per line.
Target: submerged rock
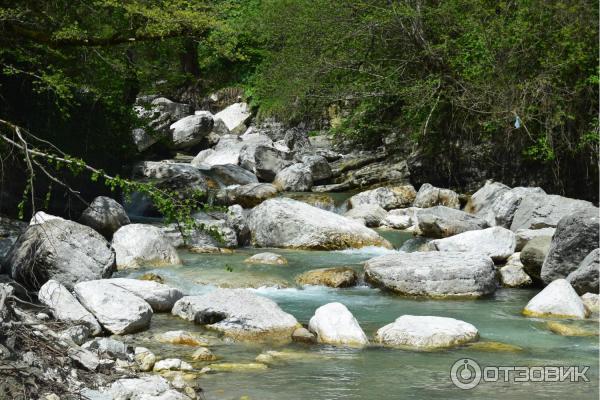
pixel 65 307
pixel 494 346
pixel 430 196
pixel 62 250
pixel 266 258
pixel 203 354
pixel 370 215
pixel 497 242
pixel 558 299
pixel 433 274
pixel 181 338
pixel 160 297
pixel 427 332
pixel 571 329
pixel 303 335
pixel 239 314
pixel 334 324
pixel 289 223
pixel 140 244
pixel 338 277
pixel 105 215
pixel 387 198
pixel 441 222
pixel 576 236
pixel 118 310
pixel 237 367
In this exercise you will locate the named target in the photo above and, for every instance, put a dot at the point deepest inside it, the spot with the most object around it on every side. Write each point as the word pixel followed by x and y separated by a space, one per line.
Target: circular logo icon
pixel 465 373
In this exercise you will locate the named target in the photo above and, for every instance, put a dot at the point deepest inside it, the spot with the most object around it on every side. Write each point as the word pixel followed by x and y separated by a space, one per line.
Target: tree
pixel 441 76
pixel 70 72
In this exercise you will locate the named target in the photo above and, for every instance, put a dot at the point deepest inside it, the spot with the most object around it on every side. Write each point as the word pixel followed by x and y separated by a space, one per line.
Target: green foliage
pixel 438 74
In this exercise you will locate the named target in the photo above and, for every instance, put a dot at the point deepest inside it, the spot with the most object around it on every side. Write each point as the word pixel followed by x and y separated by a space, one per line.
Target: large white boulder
pixel 160 297
pixel 140 244
pixel 293 224
pixel 535 212
pixel 427 332
pixel 190 130
pixel 558 299
pixel 65 307
pixel 239 314
pixel 235 117
pixel 576 236
pixel 62 250
pixel 433 274
pixel 496 242
pixel 506 204
pixel 481 202
pixel 333 323
pixel 118 310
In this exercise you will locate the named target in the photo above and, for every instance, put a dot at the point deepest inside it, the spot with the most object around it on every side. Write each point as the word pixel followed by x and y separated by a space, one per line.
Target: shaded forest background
pixel 463 89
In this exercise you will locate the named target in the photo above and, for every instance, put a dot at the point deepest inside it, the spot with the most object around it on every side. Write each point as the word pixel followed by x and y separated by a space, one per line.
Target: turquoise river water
pixel 327 372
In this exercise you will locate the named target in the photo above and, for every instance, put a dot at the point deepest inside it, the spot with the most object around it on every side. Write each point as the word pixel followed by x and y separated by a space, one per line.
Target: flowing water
pixel 327 372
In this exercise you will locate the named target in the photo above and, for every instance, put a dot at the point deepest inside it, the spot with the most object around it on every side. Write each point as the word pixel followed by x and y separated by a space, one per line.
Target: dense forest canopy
pixel 511 84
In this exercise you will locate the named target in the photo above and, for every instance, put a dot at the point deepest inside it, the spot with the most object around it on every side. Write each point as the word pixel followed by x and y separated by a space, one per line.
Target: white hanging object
pixel 517 122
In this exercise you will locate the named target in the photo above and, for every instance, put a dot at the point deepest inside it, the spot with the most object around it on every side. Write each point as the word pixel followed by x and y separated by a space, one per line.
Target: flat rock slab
pixel 160 297
pixel 118 310
pixel 289 223
pixel 65 307
pixel 433 274
pixel 239 314
pixel 427 332
pixel 497 242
